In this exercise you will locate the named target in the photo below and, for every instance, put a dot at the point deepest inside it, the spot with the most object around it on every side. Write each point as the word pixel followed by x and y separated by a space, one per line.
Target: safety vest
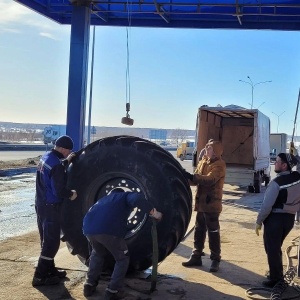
pixel 288 198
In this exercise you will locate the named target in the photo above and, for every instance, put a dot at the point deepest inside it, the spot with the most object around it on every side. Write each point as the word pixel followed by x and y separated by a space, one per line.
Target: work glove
pixel 257 228
pixel 188 175
pixel 74 195
pixel 155 214
pixel 65 162
pixel 292 149
pixel 70 157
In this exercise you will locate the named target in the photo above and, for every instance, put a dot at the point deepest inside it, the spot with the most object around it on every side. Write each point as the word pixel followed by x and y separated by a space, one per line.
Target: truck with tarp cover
pixel 245 135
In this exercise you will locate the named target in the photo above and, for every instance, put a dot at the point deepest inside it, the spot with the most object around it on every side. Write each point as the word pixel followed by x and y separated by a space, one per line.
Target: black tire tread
pixel 161 179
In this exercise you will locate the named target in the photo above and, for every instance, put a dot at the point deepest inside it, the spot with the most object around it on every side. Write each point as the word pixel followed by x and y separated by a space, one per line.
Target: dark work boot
pixel 193 261
pixel 214 266
pixel 43 268
pixel 270 283
pixel 56 272
pixel 88 289
pixel 114 295
pixel 42 275
pixel 48 280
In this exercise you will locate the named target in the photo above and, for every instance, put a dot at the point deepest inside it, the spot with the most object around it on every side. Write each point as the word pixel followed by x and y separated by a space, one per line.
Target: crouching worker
pixel 105 226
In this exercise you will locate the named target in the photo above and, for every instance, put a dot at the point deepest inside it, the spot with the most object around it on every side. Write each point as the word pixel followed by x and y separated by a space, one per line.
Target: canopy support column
pixel 78 73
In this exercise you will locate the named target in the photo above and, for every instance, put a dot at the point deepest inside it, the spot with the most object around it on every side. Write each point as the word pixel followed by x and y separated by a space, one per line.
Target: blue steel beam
pixel 230 14
pixel 78 70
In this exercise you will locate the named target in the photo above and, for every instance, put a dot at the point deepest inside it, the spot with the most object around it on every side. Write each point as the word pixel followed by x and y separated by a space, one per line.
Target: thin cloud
pixel 42 22
pixel 10 30
pixel 48 35
pixel 11 12
pixel 14 16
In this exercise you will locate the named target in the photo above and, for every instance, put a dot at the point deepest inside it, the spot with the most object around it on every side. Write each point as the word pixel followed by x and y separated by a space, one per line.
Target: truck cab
pixel 278 144
pixel 185 150
pixel 273 155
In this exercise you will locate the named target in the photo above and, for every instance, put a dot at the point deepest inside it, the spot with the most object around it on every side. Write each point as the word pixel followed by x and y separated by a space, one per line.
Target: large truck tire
pixel 267 180
pixel 137 165
pixel 257 182
pixel 257 186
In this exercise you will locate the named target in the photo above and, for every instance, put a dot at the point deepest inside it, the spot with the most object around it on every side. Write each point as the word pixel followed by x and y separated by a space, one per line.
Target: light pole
pixel 259 105
pixel 253 86
pixel 278 118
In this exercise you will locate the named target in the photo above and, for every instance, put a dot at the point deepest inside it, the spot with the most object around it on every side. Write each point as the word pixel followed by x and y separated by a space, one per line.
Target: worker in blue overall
pixel 105 226
pixel 51 180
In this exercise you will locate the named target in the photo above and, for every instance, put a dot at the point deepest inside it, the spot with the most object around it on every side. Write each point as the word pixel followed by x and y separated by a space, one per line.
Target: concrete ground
pixel 243 263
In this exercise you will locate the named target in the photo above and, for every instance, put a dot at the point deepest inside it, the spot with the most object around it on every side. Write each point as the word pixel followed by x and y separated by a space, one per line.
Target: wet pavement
pixel 17 214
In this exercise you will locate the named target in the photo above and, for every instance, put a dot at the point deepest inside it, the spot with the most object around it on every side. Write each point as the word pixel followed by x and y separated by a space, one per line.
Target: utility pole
pixel 278 118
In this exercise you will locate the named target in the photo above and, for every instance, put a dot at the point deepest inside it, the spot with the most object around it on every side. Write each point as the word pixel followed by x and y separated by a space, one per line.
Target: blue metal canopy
pixel 81 14
pixel 230 14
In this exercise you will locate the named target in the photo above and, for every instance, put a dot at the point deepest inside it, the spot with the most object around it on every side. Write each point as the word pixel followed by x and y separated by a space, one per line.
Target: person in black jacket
pixel 51 180
pixel 277 213
pixel 105 226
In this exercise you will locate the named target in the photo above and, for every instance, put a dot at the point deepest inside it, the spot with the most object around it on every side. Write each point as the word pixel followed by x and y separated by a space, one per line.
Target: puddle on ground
pixel 17 213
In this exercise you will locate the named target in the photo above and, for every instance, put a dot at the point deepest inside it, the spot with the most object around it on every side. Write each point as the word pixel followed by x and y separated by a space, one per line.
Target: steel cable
pixel 281 286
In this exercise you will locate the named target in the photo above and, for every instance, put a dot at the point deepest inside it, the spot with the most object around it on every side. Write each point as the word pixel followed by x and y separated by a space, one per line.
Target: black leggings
pixel 276 227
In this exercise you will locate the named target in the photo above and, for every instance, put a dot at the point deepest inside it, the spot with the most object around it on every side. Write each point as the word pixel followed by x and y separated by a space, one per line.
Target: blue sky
pixel 172 72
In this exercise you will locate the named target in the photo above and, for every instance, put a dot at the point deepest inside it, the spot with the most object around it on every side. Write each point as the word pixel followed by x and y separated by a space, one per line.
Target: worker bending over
pixel 105 226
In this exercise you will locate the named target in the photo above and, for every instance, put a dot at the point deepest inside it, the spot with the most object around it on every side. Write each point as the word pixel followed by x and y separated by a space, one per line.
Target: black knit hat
pixel 288 158
pixel 64 141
